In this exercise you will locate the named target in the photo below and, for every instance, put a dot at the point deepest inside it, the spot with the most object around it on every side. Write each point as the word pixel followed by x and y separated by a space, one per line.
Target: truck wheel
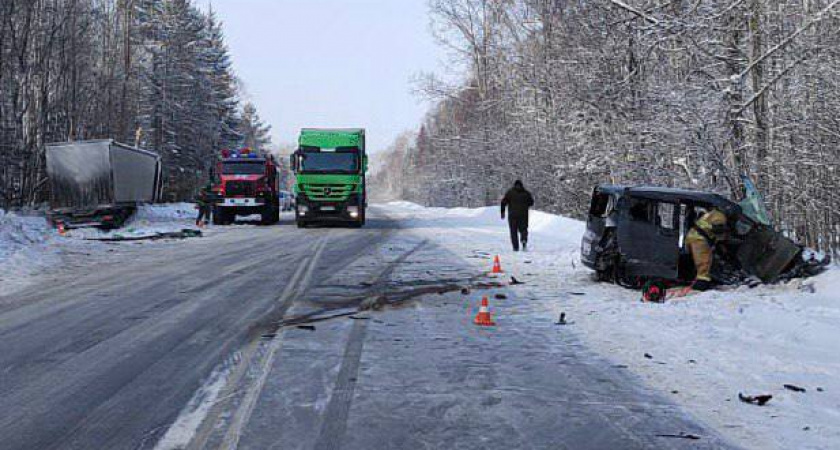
pixel 224 217
pixel 301 224
pixel 267 215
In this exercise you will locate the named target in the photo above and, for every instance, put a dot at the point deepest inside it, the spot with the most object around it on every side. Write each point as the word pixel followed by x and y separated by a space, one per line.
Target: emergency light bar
pixel 241 153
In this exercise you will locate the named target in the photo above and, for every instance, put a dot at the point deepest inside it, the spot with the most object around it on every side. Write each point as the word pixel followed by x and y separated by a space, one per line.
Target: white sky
pixel 331 63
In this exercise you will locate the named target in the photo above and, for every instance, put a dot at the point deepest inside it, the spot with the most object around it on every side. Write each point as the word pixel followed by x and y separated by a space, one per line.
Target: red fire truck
pixel 246 184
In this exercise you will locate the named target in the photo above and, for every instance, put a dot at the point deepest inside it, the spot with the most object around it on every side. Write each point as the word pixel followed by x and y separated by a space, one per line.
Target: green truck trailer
pixel 330 166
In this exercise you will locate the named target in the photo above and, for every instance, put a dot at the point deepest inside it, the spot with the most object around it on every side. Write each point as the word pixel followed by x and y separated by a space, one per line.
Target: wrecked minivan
pixel 636 235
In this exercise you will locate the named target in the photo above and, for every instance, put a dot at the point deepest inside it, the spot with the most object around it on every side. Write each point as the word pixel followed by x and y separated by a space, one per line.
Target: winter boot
pixel 701 285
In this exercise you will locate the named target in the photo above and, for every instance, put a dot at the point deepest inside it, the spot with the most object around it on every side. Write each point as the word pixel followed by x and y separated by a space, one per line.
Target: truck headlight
pixel 302 209
pixel 353 211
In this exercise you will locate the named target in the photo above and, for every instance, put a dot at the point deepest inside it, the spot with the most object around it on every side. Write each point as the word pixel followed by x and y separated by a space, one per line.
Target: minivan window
pixel 640 211
pixel 600 205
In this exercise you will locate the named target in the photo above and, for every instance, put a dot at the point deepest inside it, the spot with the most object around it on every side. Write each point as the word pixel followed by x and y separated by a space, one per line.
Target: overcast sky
pixel 331 63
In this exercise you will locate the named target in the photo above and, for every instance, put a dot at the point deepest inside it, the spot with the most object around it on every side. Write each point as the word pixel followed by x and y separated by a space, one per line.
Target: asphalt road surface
pixel 108 355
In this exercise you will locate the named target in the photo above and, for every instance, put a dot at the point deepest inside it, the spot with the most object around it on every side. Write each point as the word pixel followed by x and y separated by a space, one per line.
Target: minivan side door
pixel 649 237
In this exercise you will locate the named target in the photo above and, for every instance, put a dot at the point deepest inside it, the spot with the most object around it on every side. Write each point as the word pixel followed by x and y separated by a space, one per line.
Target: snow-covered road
pixel 704 349
pixel 701 351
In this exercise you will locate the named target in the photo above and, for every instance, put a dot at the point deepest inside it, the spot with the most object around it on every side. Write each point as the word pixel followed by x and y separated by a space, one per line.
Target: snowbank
pixel 703 349
pixel 30 247
pixel 25 249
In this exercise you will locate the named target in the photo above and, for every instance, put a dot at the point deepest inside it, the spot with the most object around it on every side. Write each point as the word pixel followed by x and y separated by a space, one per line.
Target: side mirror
pixel 295 160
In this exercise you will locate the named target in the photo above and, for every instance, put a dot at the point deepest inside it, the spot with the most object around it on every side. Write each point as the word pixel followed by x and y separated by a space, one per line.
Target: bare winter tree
pixel 566 95
pixel 154 73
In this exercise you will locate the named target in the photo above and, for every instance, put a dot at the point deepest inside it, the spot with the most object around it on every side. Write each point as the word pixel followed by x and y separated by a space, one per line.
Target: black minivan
pixel 637 234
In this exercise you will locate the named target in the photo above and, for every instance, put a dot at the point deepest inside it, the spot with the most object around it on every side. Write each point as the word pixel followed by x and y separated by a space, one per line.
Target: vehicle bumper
pixel 589 251
pixel 241 202
pixel 329 211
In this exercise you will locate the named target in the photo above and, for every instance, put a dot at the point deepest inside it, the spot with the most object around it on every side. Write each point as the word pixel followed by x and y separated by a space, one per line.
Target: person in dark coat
pixel 204 203
pixel 517 202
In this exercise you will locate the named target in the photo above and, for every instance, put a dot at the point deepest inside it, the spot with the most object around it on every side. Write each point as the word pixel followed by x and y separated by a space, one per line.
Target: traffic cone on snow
pixel 497 265
pixel 483 318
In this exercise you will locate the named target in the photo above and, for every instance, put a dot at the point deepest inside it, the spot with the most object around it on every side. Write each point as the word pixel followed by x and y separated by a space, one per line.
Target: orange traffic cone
pixel 497 265
pixel 61 230
pixel 483 318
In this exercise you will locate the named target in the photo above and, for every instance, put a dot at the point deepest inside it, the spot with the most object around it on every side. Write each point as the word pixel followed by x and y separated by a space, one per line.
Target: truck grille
pixel 329 191
pixel 243 188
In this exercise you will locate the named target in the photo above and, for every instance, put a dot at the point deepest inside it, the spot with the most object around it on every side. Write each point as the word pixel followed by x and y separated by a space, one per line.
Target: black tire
pixel 225 217
pixel 301 224
pixel 218 219
pixel 269 215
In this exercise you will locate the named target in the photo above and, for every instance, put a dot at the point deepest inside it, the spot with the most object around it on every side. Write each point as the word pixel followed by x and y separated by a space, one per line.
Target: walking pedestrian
pixel 517 201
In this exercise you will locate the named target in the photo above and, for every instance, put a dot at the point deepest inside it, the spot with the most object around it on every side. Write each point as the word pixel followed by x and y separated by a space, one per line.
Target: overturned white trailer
pixel 100 183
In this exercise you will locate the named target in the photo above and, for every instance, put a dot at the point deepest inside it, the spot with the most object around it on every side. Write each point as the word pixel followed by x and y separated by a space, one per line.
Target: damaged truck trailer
pixel 100 183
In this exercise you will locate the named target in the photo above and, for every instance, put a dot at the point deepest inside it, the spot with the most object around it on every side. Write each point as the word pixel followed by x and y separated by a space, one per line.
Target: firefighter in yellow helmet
pixel 711 229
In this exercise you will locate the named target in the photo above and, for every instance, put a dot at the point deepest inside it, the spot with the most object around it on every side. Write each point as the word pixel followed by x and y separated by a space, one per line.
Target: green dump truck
pixel 330 166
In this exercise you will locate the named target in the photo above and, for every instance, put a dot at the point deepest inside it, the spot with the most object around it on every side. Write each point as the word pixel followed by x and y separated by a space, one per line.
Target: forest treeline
pixel 151 73
pixel 695 94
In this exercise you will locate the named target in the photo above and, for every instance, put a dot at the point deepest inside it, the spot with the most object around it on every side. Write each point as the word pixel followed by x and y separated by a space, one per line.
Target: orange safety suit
pixel 712 225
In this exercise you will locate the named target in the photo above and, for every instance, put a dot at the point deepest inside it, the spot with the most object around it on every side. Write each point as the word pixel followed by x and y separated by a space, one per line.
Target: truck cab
pixel 246 184
pixel 330 185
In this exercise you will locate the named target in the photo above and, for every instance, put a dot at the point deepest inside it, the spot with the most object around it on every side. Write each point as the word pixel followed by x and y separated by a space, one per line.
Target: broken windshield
pixel 752 205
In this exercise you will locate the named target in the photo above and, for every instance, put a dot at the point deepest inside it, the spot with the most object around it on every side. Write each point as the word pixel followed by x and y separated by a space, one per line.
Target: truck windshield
pixel 255 167
pixel 339 161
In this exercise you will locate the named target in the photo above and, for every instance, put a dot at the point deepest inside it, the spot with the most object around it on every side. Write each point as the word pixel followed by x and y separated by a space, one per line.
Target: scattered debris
pixel 514 281
pixel 806 428
pixel 183 234
pixel 681 435
pixel 269 336
pixel 794 388
pixel 561 320
pixel 307 327
pixel 620 366
pixel 691 361
pixel 819 389
pixel 675 391
pixel 759 400
pixel 465 291
pixel 500 296
pixel 359 318
pixel 648 356
pixel 577 293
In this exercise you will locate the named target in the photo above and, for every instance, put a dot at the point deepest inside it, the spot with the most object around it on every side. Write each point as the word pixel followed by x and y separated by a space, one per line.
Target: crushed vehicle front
pixel 638 234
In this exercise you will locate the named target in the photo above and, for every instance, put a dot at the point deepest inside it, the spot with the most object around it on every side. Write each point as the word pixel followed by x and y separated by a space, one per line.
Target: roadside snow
pixel 25 249
pixel 30 247
pixel 703 349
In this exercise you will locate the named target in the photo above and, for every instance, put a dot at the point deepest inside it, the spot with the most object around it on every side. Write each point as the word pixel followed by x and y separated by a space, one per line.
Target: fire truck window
pixel 244 168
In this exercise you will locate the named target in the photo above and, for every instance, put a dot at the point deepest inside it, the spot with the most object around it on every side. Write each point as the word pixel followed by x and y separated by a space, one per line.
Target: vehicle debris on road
pixel 759 400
